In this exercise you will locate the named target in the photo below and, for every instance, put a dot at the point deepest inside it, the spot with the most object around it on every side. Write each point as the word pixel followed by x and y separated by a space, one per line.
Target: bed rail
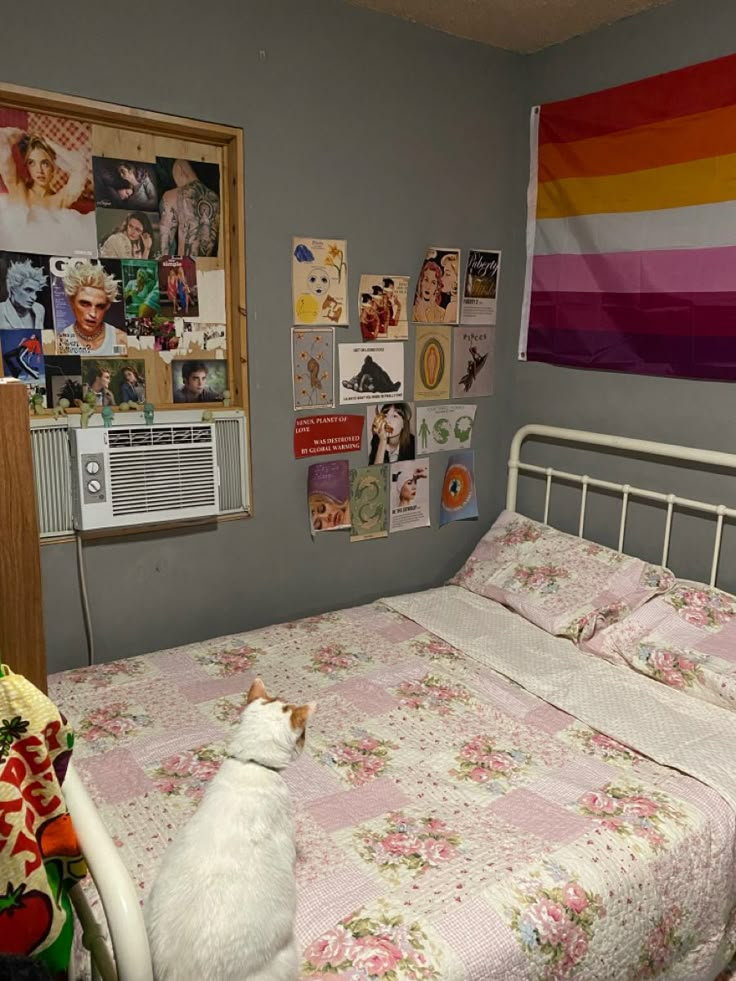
pixel 686 454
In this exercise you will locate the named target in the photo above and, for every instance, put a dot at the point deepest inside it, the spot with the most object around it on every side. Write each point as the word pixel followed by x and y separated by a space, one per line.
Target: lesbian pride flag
pixel 631 234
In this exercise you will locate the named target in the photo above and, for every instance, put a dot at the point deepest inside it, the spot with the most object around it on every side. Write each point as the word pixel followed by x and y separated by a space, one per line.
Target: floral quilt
pixel 450 824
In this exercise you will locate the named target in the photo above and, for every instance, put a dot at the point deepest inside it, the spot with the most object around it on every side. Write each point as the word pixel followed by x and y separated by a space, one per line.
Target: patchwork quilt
pixel 451 823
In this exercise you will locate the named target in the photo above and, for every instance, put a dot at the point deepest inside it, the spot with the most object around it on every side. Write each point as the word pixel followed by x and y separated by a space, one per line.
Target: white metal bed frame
pixel 119 896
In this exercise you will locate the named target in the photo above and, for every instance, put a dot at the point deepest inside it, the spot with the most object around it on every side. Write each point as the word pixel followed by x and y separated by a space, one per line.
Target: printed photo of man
pixel 99 383
pixel 24 282
pixel 194 386
pixel 91 291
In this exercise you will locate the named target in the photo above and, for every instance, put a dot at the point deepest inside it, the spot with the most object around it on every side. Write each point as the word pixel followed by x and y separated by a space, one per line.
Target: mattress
pixel 477 800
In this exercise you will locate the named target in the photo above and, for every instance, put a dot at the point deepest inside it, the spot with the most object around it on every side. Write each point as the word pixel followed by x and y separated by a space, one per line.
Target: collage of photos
pixel 454 333
pixel 99 261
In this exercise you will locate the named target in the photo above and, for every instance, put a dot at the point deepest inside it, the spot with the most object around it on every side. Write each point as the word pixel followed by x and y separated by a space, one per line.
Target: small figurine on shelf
pixel 86 408
pixel 148 410
pixel 61 408
pixel 108 416
pixel 37 406
pixel 226 398
pixel 126 406
pixel 208 415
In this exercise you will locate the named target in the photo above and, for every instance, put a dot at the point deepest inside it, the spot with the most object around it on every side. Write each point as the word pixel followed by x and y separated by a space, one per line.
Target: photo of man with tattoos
pixel 190 207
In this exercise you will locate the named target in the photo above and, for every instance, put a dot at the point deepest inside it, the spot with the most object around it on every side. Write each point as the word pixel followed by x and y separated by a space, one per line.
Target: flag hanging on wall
pixel 631 237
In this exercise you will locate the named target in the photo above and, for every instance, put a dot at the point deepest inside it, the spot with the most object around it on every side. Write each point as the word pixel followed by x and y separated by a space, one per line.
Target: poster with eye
pixel 409 495
pixel 189 206
pixel 63 379
pixel 87 303
pixel 23 355
pixel 328 495
pixel 445 427
pixel 47 202
pixel 391 432
pixel 432 355
pixel 459 501
pixel 480 288
pixel 313 367
pixel 131 184
pixel 436 294
pixel 25 293
pixel 371 372
pixel 369 503
pixel 473 361
pixel 319 281
pixel 382 307
pixel 179 288
pixel 140 289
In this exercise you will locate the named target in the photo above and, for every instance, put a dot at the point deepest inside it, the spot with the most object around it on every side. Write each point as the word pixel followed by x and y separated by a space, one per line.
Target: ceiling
pixel 516 25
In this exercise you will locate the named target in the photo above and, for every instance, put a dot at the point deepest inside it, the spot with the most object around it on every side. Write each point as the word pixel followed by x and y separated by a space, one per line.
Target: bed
pixel 482 796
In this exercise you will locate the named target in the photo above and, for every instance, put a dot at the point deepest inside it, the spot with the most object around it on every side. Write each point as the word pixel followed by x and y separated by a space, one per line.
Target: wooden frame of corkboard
pixel 125 132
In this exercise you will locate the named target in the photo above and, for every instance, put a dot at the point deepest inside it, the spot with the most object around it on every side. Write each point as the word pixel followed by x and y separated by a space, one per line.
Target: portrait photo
pixel 199 381
pixel 25 292
pixel 127 234
pixel 87 299
pixel 46 185
pixel 129 184
pixel 114 380
pixel 177 280
pixel 391 432
pixel 140 289
pixel 189 206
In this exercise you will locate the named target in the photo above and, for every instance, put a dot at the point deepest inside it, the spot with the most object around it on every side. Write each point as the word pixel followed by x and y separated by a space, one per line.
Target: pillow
pixel 566 585
pixel 686 639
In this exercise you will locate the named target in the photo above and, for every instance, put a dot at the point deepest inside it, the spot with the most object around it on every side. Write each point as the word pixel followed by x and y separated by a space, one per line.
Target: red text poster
pixel 319 435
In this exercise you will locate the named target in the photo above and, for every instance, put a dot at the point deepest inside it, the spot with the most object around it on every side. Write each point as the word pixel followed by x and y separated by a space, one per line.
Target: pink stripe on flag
pixel 658 271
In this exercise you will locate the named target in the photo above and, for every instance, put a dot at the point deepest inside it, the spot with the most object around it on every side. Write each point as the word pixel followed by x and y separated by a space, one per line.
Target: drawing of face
pixel 89 306
pixel 430 284
pixel 40 167
pixel 318 281
pixel 449 274
pixel 23 296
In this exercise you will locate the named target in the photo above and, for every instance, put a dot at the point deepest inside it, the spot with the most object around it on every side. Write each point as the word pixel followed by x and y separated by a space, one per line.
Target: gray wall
pixel 356 126
pixel 671 410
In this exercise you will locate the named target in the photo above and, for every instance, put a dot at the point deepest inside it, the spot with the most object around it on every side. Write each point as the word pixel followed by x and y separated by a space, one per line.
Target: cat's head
pixel 272 731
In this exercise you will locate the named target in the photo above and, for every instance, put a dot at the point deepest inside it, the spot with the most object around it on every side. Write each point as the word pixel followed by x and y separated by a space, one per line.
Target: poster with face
pixel 313 367
pixel 371 372
pixel 409 495
pixel 391 434
pixel 87 301
pixel 199 381
pixel 458 501
pixel 128 234
pixel 383 307
pixel 114 381
pixel 369 503
pixel 480 289
pixel 319 281
pixel 25 293
pixel 328 493
pixel 130 184
pixel 436 294
pixel 432 355
pixel 46 189
pixel 140 289
pixel 178 287
pixel 473 361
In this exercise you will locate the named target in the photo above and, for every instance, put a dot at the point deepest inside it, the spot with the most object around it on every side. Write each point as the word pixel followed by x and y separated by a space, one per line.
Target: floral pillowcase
pixel 566 585
pixel 686 639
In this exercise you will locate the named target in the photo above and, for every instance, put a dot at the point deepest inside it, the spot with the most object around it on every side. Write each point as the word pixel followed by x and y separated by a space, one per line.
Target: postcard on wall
pixel 189 206
pixel 114 381
pixel 391 432
pixel 211 294
pixel 178 287
pixel 410 495
pixel 47 203
pixel 125 234
pixel 328 493
pixel 130 184
pixel 140 289
pixel 25 293
pixel 473 361
pixel 321 435
pixel 382 307
pixel 313 367
pixel 63 379
pixel 88 308
pixel 199 381
pixel 369 503
pixel 480 289
pixel 371 372
pixel 432 353
pixel 436 294
pixel 23 355
pixel 319 281
pixel 445 427
pixel 459 501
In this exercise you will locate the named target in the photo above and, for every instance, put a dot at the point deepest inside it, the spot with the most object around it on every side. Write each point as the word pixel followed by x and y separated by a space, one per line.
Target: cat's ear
pixel 256 690
pixel 300 715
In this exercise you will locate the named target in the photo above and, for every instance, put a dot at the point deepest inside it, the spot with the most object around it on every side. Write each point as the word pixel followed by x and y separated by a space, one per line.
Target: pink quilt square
pixel 565 785
pixel 484 941
pixel 548 718
pixel 546 820
pixel 357 805
pixel 326 902
pixel 179 665
pixel 308 781
pixel 207 690
pixel 113 777
pixel 164 744
pixel 398 632
pixel 369 698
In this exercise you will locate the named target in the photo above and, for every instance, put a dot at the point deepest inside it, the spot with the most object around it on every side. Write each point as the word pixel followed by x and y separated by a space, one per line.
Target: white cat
pixel 223 904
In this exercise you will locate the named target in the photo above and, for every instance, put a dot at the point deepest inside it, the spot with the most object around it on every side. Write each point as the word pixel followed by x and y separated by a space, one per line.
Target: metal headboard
pixel 682 454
